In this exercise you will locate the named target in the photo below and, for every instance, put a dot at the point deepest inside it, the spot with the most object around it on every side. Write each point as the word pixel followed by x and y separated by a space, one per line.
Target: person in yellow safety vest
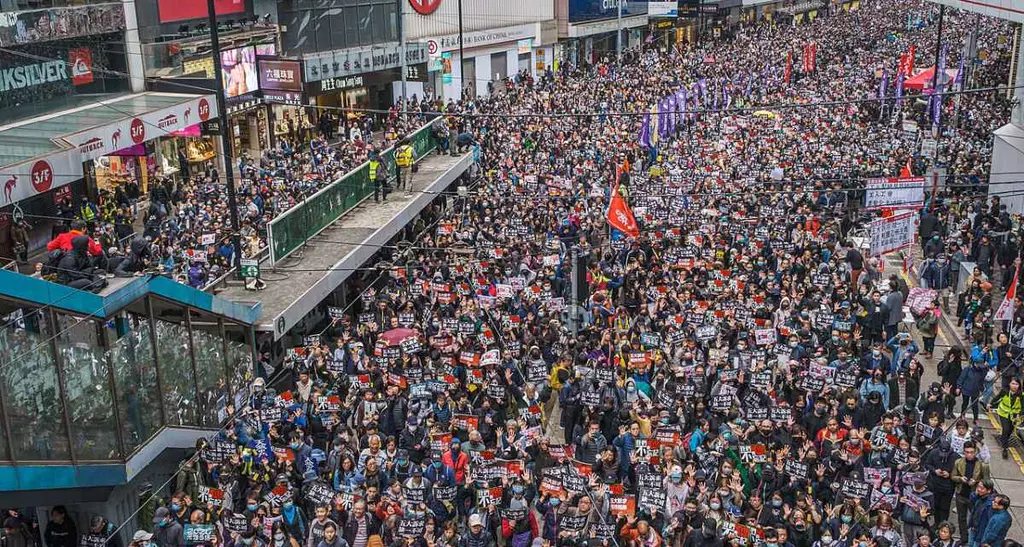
pixel 87 211
pixel 377 177
pixel 404 160
pixel 1008 406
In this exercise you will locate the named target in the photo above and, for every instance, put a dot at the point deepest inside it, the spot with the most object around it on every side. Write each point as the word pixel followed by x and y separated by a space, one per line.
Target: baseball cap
pixel 474 520
pixel 161 514
pixel 142 535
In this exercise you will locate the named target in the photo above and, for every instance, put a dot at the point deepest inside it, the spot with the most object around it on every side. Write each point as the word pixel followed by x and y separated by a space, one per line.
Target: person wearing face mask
pixel 169 532
pixel 281 536
pixel 519 533
pixel 773 513
pixel 705 536
pixel 677 491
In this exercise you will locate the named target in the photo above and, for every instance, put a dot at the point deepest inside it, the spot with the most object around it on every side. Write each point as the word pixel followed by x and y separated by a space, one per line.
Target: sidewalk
pixel 1008 474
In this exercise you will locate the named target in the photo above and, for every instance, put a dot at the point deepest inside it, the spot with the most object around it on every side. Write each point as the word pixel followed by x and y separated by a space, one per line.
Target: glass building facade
pixel 77 388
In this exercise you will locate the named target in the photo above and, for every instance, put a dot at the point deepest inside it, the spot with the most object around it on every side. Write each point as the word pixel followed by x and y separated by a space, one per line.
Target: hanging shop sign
pixel 347 62
pixel 103 140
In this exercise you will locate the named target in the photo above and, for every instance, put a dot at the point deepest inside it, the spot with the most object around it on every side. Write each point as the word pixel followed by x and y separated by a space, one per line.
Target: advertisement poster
pixel 239 70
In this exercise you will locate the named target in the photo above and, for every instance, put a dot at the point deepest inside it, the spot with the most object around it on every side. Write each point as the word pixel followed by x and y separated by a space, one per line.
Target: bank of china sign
pixel 488 37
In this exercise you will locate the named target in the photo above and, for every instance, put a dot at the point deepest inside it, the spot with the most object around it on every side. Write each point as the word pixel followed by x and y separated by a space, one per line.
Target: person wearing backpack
pixel 928 325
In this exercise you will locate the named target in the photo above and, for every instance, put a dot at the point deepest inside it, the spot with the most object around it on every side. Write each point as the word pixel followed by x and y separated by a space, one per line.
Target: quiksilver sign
pixel 20 77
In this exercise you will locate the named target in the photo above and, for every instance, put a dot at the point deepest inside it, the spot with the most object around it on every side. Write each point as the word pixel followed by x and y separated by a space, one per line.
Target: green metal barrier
pixel 291 230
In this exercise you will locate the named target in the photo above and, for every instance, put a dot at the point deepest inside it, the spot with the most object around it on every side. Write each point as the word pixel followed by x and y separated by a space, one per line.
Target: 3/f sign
pixel 250 268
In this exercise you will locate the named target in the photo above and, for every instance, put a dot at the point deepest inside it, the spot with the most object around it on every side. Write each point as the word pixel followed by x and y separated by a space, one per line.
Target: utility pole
pixel 618 30
pixel 403 51
pixel 462 59
pixel 225 139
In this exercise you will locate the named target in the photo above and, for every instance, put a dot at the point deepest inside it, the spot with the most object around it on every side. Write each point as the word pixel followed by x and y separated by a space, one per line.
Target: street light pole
pixel 225 139
pixel 462 59
pixel 618 30
pixel 404 52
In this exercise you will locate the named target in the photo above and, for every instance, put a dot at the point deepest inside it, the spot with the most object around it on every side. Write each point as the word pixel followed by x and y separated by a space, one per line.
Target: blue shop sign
pixel 593 10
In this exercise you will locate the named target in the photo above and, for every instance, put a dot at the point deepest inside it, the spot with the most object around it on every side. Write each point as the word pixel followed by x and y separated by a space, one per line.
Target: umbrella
pixel 394 337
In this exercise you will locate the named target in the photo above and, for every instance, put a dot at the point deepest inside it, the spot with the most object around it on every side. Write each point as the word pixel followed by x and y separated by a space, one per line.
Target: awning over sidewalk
pixel 47 152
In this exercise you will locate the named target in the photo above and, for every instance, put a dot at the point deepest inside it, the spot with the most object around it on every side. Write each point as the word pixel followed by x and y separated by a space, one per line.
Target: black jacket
pixel 352 527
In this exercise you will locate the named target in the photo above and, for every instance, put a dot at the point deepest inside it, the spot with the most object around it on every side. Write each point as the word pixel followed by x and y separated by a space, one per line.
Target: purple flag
pixel 899 90
pixel 940 73
pixel 750 83
pixel 645 130
pixel 714 93
pixel 703 85
pixel 884 86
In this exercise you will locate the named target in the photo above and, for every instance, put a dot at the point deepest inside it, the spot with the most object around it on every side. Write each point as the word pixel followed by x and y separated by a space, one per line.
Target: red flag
pixel 620 217
pixel 1006 309
pixel 910 62
pixel 807 58
pixel 814 56
pixel 789 67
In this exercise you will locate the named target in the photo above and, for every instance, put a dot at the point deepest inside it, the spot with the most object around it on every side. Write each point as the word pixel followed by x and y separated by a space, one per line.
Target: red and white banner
pixel 907 63
pixel 40 175
pixel 104 140
pixel 620 217
pixel 789 67
pixel 1008 306
pixel 894 193
pixel 893 233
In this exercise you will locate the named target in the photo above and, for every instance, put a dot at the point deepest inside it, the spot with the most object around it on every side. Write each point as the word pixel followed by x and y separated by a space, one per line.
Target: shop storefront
pixel 592 32
pixel 357 78
pixel 664 32
pixel 166 143
pixel 281 87
pixel 249 126
pixel 128 153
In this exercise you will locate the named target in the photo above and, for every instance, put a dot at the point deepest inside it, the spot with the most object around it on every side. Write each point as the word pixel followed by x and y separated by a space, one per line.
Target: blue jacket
pixel 998 526
pixel 867 387
pixel 980 515
pixel 901 355
pixel 972 380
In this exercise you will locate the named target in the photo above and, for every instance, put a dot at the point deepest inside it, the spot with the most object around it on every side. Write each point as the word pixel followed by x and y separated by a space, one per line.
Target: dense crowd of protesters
pixel 741 373
pixel 183 228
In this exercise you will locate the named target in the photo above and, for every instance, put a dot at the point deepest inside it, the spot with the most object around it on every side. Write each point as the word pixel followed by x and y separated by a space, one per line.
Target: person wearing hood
pixel 705 536
pixel 169 531
pixel 61 530
pixel 137 260
pixel 939 463
pixel 75 268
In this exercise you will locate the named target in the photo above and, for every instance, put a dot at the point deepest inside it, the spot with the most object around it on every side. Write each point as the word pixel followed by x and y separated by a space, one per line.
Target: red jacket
pixel 507 526
pixel 63 242
pixel 457 465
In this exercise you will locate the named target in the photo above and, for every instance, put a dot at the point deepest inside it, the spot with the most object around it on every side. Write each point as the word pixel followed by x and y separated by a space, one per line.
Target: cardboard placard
pixel 208 495
pixel 855 489
pixel 198 534
pixel 320 494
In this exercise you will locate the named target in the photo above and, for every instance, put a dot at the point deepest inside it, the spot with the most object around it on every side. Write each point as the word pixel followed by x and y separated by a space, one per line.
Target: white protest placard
pixel 902 193
pixel 893 233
